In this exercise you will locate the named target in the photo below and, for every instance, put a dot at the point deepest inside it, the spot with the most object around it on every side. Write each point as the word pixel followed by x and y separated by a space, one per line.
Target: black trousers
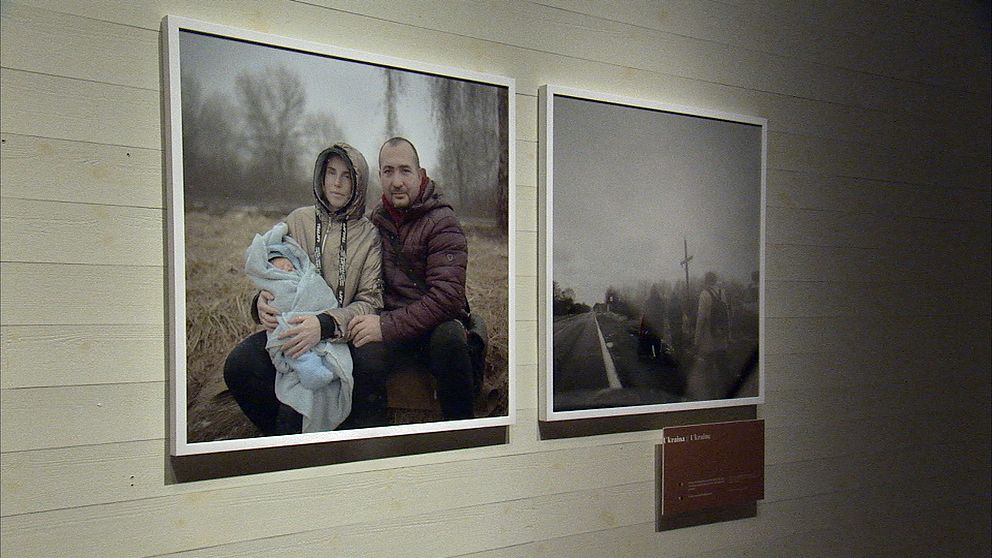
pixel 444 352
pixel 250 377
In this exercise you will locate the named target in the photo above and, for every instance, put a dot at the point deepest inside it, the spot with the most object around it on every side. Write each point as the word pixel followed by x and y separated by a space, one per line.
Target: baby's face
pixel 282 263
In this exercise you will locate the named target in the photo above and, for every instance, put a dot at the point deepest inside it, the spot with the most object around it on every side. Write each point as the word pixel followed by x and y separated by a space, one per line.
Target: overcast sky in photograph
pixel 629 183
pixel 352 93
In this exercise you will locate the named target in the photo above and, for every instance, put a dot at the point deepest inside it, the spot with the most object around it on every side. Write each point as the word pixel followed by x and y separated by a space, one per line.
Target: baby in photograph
pixel 313 374
pixel 318 383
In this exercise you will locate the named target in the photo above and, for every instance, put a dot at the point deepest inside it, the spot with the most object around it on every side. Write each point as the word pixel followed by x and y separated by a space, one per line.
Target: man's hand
pixel 365 329
pixel 302 337
pixel 267 314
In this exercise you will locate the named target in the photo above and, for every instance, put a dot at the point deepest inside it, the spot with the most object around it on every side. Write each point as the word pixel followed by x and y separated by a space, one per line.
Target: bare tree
pixel 394 87
pixel 470 156
pixel 503 177
pixel 212 167
pixel 273 103
pixel 192 99
pixel 320 131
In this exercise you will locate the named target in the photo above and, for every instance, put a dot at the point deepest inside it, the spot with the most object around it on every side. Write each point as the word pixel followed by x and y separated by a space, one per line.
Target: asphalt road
pixel 579 361
pixel 596 365
pixel 658 379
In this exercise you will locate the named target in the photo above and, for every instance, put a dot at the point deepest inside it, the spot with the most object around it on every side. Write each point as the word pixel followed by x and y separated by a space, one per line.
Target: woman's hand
pixel 303 336
pixel 267 314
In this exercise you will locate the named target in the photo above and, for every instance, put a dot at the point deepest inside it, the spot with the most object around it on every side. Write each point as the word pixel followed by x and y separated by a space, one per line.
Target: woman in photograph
pixel 345 248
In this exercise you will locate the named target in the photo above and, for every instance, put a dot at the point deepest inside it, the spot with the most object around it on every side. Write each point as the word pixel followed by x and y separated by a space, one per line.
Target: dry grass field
pixel 218 296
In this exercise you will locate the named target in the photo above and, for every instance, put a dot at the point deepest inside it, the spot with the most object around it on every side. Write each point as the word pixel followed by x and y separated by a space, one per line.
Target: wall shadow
pixel 553 430
pixel 190 468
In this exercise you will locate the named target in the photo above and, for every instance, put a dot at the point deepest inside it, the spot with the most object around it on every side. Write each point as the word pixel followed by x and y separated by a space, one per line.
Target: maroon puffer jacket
pixel 435 252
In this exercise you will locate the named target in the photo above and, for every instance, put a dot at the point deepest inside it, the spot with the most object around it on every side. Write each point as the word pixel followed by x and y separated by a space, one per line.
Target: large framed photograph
pixel 652 256
pixel 322 289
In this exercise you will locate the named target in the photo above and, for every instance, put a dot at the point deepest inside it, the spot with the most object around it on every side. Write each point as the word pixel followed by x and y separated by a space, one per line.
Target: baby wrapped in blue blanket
pixel 313 374
pixel 317 384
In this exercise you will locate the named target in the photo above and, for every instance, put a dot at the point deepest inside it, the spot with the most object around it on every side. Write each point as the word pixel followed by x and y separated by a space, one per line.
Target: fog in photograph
pixel 645 203
pixel 254 118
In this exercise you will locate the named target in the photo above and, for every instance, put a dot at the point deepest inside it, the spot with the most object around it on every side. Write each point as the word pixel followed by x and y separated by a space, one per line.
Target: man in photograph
pixel 709 376
pixel 424 257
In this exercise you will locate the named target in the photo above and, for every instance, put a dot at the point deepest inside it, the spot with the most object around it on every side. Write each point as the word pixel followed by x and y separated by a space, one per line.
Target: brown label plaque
pixel 711 467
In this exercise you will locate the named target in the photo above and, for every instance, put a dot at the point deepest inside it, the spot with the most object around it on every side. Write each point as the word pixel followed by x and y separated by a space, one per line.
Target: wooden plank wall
pixel 878 286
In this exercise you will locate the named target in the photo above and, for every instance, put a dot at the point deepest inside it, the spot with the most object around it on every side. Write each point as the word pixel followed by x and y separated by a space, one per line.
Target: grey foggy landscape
pixel 254 118
pixel 645 202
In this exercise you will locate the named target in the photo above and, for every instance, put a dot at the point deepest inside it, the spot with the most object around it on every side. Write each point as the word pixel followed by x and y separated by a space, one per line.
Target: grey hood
pixel 359 178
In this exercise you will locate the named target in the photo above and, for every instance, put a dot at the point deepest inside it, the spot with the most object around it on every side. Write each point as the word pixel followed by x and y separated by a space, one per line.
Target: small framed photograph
pixel 341 238
pixel 651 258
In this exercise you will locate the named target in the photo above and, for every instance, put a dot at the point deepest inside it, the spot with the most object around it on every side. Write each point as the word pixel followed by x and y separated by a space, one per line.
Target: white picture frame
pixel 219 52
pixel 618 217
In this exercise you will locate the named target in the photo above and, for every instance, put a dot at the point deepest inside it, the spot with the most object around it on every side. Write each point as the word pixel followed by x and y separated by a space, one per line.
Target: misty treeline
pixel 631 299
pixel 473 166
pixel 257 145
pixel 563 301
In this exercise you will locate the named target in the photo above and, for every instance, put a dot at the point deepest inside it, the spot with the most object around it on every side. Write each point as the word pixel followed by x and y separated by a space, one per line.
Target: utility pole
pixel 685 263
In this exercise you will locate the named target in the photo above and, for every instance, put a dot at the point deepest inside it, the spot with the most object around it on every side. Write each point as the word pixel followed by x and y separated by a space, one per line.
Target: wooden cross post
pixel 685 264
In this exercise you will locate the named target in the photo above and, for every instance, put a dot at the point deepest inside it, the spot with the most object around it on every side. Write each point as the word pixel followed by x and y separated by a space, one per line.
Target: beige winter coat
pixel 363 276
pixel 363 249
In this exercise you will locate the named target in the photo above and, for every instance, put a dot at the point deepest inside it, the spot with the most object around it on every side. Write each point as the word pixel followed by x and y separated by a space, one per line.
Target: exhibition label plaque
pixel 711 466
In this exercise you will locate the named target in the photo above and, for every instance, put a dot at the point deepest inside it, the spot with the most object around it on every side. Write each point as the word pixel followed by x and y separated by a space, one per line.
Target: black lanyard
pixel 342 254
